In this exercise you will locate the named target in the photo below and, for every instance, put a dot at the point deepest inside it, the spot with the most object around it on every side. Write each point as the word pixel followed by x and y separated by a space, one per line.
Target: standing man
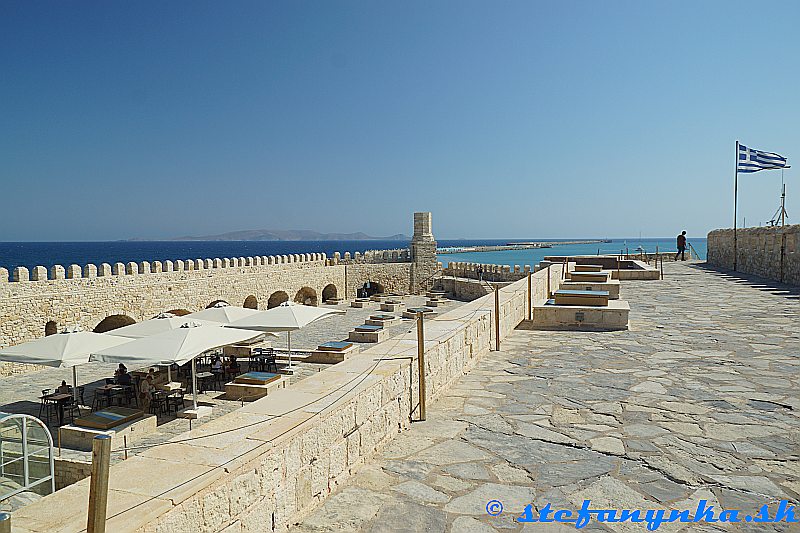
pixel 681 246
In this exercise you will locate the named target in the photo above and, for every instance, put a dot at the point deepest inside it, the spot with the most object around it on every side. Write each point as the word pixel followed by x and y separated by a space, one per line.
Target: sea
pixel 31 254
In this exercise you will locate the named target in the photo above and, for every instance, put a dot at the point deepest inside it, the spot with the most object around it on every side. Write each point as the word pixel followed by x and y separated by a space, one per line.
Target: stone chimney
pixel 423 252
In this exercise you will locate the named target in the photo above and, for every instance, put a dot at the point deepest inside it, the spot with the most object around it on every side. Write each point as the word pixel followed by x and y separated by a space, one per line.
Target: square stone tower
pixel 423 252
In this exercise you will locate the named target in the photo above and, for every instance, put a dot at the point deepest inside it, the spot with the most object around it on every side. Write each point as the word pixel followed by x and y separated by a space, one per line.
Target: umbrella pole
pixel 289 344
pixel 169 373
pixel 75 383
pixel 194 384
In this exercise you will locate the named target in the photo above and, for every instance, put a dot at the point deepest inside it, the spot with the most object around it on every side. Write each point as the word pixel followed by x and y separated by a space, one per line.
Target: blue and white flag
pixel 754 160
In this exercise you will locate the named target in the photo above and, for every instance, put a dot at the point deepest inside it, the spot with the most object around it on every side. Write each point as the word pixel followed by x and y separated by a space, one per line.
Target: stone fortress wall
pixel 268 464
pixel 44 300
pixel 772 252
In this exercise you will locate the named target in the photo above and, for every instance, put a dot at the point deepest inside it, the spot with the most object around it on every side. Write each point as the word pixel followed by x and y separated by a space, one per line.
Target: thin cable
pixel 371 370
pixel 272 417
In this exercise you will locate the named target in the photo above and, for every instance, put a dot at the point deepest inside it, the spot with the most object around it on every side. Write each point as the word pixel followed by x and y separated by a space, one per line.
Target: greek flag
pixel 754 160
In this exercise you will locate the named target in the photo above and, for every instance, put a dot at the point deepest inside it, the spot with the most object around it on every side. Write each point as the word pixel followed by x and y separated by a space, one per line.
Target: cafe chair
pixel 46 406
pixel 176 398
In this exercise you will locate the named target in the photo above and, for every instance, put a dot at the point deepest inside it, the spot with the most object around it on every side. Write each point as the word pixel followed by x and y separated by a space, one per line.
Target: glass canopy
pixel 26 456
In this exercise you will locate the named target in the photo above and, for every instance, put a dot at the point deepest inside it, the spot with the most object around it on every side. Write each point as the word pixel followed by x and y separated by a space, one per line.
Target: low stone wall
pixel 69 471
pixel 265 466
pixel 772 253
pixel 493 273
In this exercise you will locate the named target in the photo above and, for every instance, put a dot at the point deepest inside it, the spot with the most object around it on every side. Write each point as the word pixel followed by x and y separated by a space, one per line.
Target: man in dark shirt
pixel 681 247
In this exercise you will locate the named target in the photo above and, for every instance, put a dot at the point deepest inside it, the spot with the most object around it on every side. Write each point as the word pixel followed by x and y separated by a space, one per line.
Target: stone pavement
pixel 698 401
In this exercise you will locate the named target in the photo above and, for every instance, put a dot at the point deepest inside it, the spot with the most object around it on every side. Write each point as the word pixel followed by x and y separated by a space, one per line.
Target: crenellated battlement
pixel 59 272
pixel 397 255
pixel 485 271
pixel 40 299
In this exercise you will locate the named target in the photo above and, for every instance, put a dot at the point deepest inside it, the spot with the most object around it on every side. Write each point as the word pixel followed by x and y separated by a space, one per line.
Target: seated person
pixel 233 366
pixel 63 388
pixel 124 379
pixel 216 365
pixel 121 369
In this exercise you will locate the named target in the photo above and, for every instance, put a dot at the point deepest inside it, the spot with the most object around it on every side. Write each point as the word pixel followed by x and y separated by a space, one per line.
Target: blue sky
pixel 506 119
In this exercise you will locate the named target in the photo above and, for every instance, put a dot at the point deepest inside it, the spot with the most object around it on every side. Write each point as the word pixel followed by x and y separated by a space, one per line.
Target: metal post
pixel 25 470
pixel 5 522
pixel 421 363
pixel 98 484
pixel 735 202
pixel 662 268
pixel 497 318
pixel 194 384
pixel 530 308
pixel 289 347
pixel 75 383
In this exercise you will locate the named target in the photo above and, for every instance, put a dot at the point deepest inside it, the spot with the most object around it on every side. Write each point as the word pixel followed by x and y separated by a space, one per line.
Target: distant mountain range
pixel 285 235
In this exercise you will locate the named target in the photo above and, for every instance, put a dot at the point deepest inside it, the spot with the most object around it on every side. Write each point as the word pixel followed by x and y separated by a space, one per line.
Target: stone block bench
pixel 581 297
pixel 611 286
pixel 332 352
pixel 254 385
pixel 600 277
pixel 368 333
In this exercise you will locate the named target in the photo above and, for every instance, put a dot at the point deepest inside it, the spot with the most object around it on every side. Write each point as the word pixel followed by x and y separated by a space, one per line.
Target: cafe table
pixel 59 398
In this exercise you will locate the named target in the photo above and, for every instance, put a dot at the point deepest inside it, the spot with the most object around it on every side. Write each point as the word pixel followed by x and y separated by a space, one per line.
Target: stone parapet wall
pixel 772 252
pixel 494 273
pixel 58 272
pixel 371 256
pixel 26 307
pixel 268 464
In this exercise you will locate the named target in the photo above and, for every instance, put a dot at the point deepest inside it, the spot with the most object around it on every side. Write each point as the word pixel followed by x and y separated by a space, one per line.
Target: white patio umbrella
pixel 179 346
pixel 288 316
pixel 224 314
pixel 62 350
pixel 159 324
pixel 154 326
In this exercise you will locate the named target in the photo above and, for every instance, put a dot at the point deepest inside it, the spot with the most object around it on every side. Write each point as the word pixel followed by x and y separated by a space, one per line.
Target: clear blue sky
pixel 506 119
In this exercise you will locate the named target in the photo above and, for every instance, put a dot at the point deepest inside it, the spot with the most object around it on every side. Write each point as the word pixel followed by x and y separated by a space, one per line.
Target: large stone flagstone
pixel 698 401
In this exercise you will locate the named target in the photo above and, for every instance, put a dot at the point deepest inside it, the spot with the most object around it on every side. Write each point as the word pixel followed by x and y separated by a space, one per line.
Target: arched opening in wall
pixel 371 287
pixel 306 296
pixel 179 312
pixel 215 303
pixel 51 328
pixel 276 299
pixel 250 302
pixel 113 322
pixel 329 292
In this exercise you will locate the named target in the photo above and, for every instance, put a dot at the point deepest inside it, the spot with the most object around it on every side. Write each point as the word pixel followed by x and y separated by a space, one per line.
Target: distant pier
pixel 513 246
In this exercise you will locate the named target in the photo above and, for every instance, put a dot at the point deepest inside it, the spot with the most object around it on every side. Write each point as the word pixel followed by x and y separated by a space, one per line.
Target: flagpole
pixel 735 202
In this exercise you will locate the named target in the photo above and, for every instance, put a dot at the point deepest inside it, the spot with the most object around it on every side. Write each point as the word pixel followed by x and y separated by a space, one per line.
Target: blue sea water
pixel 534 255
pixel 30 254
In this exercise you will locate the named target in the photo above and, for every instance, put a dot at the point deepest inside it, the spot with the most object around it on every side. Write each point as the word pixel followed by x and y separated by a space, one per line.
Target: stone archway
pixel 51 328
pixel 306 296
pixel 277 298
pixel 329 292
pixel 215 302
pixel 250 302
pixel 371 287
pixel 113 322
pixel 179 312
